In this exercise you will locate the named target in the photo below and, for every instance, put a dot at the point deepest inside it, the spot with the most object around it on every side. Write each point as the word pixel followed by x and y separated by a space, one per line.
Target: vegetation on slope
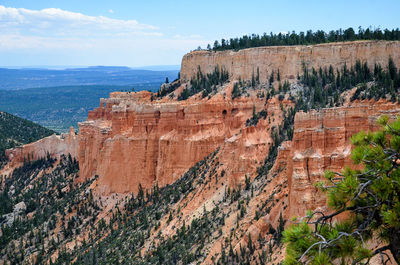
pixel 121 241
pixel 308 38
pixel 69 214
pixel 369 197
pixel 16 131
pixel 205 84
pixel 134 236
pixel 56 211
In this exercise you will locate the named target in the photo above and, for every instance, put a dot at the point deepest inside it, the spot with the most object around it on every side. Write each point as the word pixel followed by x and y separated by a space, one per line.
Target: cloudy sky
pixel 151 32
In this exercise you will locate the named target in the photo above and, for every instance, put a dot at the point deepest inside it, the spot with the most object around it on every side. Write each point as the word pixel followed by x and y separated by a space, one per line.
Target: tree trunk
pixel 394 239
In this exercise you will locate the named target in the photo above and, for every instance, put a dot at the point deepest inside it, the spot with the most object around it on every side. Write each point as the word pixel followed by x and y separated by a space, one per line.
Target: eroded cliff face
pixel 54 145
pixel 321 142
pixel 130 140
pixel 289 59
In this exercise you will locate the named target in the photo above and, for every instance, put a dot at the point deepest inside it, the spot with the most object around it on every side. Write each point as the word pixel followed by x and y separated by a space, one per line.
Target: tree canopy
pixel 304 38
pixel 368 201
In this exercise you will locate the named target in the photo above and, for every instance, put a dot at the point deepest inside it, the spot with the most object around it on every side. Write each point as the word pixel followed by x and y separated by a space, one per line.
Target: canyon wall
pixel 289 59
pixel 54 145
pixel 131 140
pixel 321 142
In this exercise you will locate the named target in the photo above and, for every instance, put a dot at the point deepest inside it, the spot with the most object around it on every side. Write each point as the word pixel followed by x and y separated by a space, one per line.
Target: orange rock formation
pixel 321 142
pixel 130 140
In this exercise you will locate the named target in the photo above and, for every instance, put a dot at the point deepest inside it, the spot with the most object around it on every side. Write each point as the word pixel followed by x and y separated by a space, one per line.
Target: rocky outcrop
pixel 8 219
pixel 54 145
pixel 321 142
pixel 289 59
pixel 131 140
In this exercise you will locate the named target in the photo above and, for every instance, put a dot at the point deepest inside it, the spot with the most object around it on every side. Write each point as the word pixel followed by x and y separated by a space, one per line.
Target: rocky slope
pixel 289 59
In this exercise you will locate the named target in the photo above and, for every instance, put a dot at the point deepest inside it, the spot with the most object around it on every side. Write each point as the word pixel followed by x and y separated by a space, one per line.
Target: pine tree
pixel 253 80
pixel 271 78
pixel 235 91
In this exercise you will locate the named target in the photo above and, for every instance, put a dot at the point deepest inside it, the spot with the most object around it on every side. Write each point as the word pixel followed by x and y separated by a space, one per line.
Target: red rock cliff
pixel 289 59
pixel 130 140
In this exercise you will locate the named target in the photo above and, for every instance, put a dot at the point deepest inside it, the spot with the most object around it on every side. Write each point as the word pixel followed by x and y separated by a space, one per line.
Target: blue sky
pixel 151 32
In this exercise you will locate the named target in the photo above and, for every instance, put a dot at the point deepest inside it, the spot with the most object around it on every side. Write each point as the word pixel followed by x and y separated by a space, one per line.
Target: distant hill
pixel 101 68
pixel 16 131
pixel 174 67
pixel 14 79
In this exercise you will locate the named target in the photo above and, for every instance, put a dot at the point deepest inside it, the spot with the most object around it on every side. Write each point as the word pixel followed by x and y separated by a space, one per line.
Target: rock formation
pixel 321 142
pixel 130 140
pixel 289 59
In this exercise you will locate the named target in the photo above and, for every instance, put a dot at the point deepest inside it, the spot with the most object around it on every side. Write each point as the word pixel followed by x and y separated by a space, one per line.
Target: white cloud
pixel 12 42
pixel 111 11
pixel 58 22
pixel 55 36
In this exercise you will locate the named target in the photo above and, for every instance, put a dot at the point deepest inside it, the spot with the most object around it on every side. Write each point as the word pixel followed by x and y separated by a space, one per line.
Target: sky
pixel 159 32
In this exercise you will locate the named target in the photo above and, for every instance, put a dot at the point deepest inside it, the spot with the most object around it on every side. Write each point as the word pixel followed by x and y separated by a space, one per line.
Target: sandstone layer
pixel 289 59
pixel 130 140
pixel 321 142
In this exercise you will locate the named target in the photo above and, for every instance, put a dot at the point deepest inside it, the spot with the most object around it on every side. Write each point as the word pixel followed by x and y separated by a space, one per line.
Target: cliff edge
pixel 289 59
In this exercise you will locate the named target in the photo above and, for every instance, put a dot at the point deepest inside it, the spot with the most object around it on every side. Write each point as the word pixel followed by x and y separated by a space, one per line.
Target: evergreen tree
pixel 271 78
pixel 301 38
